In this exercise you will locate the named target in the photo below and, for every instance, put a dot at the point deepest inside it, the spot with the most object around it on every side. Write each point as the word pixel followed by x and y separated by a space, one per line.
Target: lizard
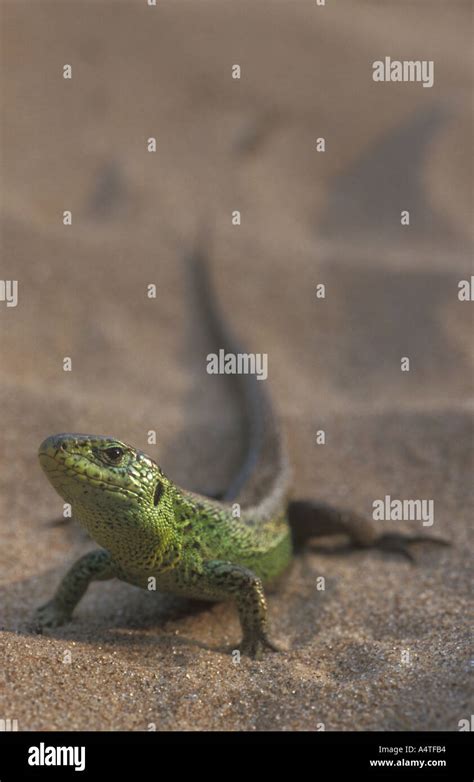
pixel 197 546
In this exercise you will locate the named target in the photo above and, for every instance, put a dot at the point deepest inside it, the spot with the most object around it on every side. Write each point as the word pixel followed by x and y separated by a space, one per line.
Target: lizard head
pixel 117 492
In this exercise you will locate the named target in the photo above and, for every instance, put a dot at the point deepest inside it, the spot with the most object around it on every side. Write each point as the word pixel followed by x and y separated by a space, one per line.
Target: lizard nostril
pixel 64 446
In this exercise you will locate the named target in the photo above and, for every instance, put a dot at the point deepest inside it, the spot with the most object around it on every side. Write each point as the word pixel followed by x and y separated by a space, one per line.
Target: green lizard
pixel 147 527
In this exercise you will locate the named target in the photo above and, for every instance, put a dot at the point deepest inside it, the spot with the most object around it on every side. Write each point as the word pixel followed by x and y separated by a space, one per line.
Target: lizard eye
pixel 114 454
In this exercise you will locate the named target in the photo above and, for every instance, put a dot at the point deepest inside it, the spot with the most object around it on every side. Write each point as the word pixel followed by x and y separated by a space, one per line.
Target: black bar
pixel 444 755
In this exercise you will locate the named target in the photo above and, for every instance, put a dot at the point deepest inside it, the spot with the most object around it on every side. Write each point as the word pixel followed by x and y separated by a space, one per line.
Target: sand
pixel 386 645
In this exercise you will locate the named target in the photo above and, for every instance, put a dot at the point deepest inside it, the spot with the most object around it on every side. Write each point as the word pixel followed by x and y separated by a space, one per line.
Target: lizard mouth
pixel 48 462
pixel 60 473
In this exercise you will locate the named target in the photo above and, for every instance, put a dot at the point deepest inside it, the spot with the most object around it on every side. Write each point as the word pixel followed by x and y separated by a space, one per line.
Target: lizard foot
pixel 50 615
pixel 400 543
pixel 254 645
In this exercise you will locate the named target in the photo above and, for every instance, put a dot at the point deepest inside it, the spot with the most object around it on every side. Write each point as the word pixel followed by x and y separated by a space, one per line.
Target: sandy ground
pixel 129 659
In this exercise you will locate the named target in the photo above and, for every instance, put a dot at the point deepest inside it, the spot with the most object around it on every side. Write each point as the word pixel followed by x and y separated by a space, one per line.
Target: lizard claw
pixel 399 543
pixel 254 645
pixel 49 615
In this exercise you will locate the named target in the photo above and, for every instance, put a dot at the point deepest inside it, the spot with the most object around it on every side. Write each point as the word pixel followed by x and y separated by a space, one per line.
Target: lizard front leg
pixel 226 581
pixel 95 566
pixel 309 519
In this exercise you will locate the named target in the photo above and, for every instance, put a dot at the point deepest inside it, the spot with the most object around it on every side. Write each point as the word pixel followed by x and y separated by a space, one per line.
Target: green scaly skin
pixel 191 545
pixel 149 527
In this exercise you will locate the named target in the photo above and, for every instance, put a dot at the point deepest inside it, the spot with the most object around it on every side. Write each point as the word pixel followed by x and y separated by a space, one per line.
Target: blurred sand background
pixel 307 217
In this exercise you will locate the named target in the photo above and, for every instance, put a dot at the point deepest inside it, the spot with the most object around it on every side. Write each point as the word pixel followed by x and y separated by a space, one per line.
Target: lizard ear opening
pixel 158 493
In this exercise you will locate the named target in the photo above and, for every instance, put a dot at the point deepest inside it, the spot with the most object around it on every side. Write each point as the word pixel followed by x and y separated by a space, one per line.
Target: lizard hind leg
pixel 309 519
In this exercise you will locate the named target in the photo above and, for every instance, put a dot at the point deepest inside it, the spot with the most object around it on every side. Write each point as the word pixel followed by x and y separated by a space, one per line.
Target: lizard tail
pixel 261 423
